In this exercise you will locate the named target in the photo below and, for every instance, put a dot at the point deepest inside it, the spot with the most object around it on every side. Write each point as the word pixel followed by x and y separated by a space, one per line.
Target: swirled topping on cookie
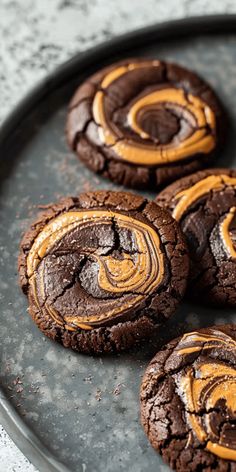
pixel 147 115
pixel 205 206
pixel 188 399
pixel 92 265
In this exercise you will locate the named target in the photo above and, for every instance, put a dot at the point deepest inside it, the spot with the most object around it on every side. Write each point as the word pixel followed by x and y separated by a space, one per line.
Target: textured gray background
pixel 37 35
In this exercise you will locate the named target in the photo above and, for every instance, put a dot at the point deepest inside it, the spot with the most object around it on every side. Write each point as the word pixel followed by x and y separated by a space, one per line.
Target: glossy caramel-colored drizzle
pixel 208 383
pixel 192 194
pixel 147 153
pixel 225 232
pixel 199 341
pixel 115 275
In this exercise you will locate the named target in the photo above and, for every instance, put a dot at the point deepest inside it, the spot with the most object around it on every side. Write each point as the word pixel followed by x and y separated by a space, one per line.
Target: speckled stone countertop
pixel 38 35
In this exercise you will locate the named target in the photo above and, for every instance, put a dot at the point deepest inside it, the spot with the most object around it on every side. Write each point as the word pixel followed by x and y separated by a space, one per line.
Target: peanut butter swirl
pixel 197 135
pixel 190 196
pixel 225 227
pixel 129 276
pixel 208 386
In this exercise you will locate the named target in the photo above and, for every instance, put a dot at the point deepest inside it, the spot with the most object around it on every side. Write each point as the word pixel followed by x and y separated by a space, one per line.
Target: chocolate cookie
pixel 205 206
pixel 188 401
pixel 102 270
pixel 143 122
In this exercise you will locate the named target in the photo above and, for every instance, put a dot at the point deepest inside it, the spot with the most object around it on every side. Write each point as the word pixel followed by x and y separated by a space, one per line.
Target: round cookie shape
pixel 143 122
pixel 204 204
pixel 188 401
pixel 103 270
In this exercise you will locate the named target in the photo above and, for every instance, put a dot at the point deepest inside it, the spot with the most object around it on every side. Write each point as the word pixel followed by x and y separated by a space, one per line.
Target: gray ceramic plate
pixel 61 407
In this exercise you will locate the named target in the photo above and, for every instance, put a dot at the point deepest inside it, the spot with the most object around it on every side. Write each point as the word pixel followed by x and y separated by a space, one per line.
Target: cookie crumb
pixel 98 395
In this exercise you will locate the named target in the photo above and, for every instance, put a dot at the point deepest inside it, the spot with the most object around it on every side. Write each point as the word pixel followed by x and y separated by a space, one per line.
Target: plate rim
pixel 24 438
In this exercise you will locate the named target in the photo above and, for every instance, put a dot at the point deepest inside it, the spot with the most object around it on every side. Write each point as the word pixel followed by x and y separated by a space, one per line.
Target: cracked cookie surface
pixel 143 123
pixel 103 270
pixel 205 206
pixel 188 401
